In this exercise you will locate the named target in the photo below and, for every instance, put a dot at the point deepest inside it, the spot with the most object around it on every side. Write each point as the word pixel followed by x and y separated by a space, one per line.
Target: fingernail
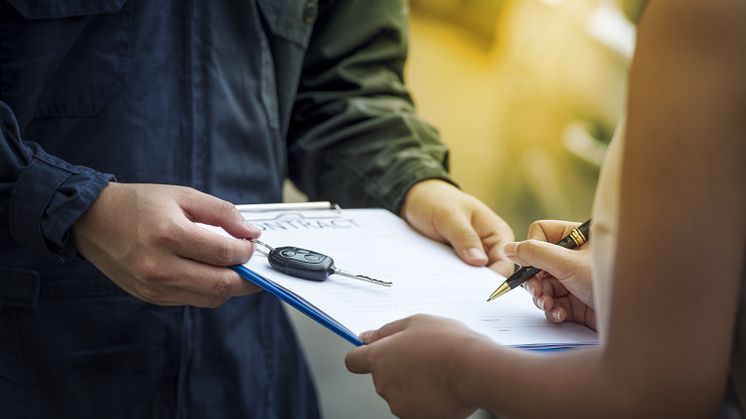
pixel 510 249
pixel 254 229
pixel 541 303
pixel 475 253
pixel 367 335
pixel 530 289
pixel 556 315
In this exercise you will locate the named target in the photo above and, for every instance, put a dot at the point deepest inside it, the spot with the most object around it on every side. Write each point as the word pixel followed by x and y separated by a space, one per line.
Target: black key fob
pixel 301 263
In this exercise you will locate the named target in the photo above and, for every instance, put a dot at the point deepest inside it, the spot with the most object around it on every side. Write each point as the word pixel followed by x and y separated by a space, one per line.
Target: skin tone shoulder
pixel 678 263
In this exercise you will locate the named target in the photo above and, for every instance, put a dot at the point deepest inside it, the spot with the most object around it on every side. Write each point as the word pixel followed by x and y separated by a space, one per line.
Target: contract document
pixel 427 278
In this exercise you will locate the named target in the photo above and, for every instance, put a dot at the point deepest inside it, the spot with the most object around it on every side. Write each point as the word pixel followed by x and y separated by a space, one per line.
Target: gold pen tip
pixel 500 291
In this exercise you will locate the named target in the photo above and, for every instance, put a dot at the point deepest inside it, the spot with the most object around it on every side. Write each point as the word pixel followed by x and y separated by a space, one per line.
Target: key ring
pixel 265 245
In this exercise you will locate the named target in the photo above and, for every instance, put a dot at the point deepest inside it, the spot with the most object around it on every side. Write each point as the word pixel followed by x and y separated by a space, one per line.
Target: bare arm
pixel 681 239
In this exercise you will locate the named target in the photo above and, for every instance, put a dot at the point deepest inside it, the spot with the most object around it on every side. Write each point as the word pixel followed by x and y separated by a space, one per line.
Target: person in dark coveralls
pixel 123 121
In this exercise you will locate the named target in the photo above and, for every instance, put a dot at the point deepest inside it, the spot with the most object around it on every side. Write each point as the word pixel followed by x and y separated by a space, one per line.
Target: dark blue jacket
pixel 229 97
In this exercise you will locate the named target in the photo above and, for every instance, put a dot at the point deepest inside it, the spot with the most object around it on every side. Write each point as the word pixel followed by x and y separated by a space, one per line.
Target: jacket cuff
pixel 47 199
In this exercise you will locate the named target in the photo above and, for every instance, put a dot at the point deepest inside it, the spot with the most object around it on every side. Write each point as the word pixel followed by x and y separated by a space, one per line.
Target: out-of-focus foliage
pixel 526 93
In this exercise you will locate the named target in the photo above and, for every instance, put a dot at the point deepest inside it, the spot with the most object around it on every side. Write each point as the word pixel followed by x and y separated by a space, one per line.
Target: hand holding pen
pixel 562 288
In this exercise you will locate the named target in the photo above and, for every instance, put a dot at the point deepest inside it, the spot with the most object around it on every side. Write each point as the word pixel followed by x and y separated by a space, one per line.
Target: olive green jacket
pixel 353 127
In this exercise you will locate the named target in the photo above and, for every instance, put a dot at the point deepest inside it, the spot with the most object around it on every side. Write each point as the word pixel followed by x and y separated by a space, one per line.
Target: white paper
pixel 428 278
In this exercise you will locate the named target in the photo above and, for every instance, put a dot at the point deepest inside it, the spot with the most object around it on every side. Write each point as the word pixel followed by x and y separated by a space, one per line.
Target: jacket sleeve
pixel 354 137
pixel 41 196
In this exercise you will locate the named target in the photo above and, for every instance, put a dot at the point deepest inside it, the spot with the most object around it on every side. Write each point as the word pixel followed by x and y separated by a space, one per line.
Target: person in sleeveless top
pixel 661 279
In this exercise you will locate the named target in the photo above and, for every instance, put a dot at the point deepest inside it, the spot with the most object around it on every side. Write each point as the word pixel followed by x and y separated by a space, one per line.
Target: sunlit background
pixel 526 93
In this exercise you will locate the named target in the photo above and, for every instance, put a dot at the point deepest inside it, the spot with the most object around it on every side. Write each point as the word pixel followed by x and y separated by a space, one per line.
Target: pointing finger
pixel 204 208
pixel 387 329
pixel 556 260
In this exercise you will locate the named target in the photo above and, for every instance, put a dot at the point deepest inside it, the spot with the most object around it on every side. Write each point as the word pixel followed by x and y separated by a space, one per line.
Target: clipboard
pixel 421 269
pixel 304 210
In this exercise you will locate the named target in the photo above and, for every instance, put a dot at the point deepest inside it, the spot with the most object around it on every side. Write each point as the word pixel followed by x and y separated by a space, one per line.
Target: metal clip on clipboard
pixel 276 211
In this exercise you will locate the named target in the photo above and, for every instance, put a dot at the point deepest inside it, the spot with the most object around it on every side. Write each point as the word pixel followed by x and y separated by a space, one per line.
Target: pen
pixel 576 238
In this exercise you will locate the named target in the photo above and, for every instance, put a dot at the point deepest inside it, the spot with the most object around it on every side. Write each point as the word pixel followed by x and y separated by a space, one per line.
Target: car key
pixel 307 264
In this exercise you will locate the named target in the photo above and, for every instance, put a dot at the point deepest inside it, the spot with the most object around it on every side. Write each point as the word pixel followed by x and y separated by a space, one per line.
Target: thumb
pixel 204 208
pixel 460 233
pixel 357 360
pixel 555 260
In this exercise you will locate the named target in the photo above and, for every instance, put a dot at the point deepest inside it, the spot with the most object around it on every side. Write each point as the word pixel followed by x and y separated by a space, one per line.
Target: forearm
pixel 581 383
pixel 373 164
pixel 354 136
pixel 519 383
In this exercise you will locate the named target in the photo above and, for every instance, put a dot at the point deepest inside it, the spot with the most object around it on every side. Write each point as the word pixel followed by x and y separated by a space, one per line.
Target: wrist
pixel 469 364
pixel 419 192
pixel 82 227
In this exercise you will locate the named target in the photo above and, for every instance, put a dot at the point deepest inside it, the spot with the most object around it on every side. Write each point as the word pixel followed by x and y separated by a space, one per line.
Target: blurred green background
pixel 526 93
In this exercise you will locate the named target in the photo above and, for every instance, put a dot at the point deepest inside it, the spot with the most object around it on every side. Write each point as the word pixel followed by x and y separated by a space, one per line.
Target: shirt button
pixel 310 10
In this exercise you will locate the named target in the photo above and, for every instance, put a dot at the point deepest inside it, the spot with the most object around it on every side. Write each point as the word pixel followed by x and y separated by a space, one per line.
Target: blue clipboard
pixel 305 307
pixel 316 210
pixel 299 303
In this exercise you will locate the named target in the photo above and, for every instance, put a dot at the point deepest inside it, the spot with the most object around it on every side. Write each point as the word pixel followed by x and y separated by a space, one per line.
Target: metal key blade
pixel 338 271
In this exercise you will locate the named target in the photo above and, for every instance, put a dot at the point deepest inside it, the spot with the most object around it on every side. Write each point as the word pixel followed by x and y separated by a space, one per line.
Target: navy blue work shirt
pixel 228 97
